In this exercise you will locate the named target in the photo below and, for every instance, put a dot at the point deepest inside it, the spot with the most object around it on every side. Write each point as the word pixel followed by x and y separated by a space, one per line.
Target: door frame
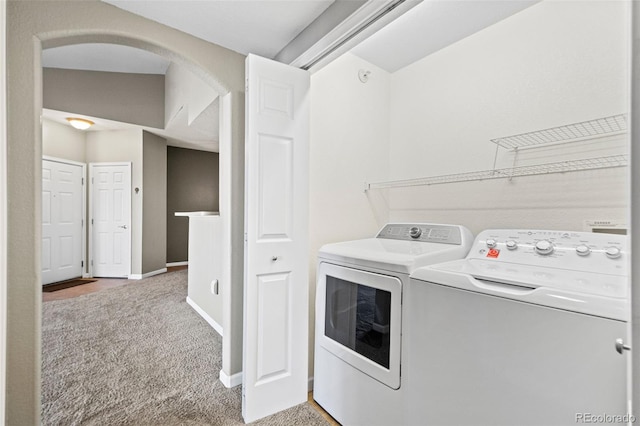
pixel 90 218
pixel 84 206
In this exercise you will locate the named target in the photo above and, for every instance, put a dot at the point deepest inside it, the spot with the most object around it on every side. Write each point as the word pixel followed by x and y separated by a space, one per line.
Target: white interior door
pixel 276 245
pixel 62 211
pixel 111 219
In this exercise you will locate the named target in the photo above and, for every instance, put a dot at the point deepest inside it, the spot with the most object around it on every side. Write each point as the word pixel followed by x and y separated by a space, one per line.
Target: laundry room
pixel 519 123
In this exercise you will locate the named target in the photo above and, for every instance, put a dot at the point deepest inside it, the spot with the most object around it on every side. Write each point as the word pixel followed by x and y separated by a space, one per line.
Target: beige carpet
pixel 139 355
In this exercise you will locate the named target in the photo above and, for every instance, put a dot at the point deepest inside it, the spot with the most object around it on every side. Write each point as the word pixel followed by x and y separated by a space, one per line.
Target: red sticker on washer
pixel 493 253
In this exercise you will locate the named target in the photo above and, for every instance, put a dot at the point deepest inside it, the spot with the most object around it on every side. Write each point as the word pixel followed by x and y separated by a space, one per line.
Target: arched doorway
pixel 33 26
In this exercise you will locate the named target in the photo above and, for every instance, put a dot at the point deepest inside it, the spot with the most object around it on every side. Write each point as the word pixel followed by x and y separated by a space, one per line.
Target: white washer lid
pixel 391 255
pixel 585 292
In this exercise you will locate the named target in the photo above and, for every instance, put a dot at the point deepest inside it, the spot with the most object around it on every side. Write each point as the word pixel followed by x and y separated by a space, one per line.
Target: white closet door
pixel 276 249
pixel 62 186
pixel 111 219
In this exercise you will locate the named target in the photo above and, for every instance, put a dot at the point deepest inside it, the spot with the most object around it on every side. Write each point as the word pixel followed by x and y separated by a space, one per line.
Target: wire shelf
pixel 538 169
pixel 569 133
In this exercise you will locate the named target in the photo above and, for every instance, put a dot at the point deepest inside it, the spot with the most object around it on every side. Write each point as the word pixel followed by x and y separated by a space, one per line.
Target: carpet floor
pixel 139 355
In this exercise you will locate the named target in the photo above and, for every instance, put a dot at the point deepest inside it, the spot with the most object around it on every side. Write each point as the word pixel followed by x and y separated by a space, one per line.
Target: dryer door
pixel 358 319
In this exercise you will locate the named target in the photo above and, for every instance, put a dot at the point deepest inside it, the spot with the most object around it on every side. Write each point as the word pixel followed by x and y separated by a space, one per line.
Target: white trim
pixel 226 210
pixel 84 232
pixel 217 327
pixel 231 381
pixel 63 160
pixel 184 263
pixel 3 210
pixel 634 222
pixel 147 275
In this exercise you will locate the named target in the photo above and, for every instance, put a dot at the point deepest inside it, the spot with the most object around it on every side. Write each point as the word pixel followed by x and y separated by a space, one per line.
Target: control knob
pixel 511 245
pixel 613 252
pixel 583 250
pixel 491 243
pixel 544 247
pixel 415 232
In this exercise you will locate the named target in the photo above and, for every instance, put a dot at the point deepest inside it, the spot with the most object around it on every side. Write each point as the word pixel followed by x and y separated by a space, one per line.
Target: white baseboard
pixel 147 275
pixel 231 381
pixel 185 263
pixel 310 384
pixel 217 327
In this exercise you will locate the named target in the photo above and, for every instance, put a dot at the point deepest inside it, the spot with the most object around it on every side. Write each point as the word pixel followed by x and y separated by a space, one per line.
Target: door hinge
pixel 83 181
pixel 92 221
pixel 82 263
pixel 91 262
pixel 246 85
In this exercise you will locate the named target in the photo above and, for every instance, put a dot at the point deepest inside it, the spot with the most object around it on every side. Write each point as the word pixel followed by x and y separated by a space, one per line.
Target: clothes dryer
pixel 359 317
pixel 528 329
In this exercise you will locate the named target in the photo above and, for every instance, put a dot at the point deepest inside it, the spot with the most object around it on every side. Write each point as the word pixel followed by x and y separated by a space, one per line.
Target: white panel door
pixel 276 246
pixel 111 219
pixel 62 186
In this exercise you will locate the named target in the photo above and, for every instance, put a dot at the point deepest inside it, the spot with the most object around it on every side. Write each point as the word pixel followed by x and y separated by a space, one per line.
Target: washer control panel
pixel 424 232
pixel 580 251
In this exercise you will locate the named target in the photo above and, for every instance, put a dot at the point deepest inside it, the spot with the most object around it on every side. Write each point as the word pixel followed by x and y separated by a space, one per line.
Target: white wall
pixel 183 89
pixel 554 63
pixel 205 266
pixel 120 146
pixel 63 141
pixel 349 145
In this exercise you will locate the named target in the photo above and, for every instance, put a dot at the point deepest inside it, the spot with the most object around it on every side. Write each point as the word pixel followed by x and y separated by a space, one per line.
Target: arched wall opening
pixel 31 27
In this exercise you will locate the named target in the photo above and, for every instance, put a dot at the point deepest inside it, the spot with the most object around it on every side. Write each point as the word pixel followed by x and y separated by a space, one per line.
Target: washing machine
pixel 531 328
pixel 359 317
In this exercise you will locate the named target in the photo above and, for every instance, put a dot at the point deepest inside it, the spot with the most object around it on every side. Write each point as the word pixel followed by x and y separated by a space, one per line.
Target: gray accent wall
pixel 154 202
pixel 129 98
pixel 192 185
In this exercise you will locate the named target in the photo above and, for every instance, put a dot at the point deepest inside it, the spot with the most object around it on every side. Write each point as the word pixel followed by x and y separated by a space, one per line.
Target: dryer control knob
pixel 613 252
pixel 544 247
pixel 511 245
pixel 491 243
pixel 415 232
pixel 583 250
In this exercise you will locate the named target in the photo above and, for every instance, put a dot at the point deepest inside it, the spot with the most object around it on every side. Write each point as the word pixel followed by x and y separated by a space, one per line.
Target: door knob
pixel 123 226
pixel 620 346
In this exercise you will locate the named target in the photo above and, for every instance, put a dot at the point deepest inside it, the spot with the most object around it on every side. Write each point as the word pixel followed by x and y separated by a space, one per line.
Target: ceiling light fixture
pixel 80 123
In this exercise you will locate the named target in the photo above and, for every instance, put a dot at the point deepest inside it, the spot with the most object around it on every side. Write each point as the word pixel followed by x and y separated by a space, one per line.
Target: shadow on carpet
pixel 139 355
